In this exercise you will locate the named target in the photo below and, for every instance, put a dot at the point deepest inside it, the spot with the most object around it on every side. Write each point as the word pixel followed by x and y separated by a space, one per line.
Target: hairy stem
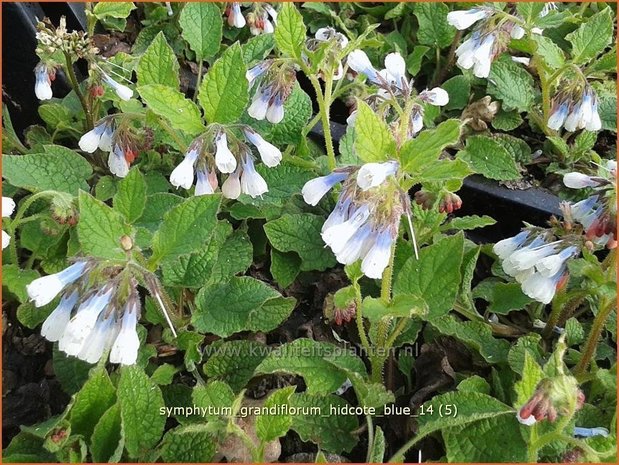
pixel 78 91
pixel 324 106
pixel 606 307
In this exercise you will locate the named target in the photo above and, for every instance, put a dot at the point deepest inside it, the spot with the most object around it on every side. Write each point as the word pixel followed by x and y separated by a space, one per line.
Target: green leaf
pixel 130 198
pixel 512 84
pixel 14 279
pixel 271 427
pixel 100 229
pixel 257 48
pixel 507 120
pixel 503 297
pixel 433 29
pixel 202 26
pixel 250 305
pixel 377 454
pixel 373 140
pixel 189 444
pixel 225 254
pixel 186 227
pixel 435 276
pixel 532 374
pixel 331 432
pixel 290 31
pixel 477 442
pixel 417 153
pixel 118 10
pixel 284 267
pixel 550 52
pixel 323 366
pixel 488 157
pixel 371 395
pixel 234 362
pixel 71 372
pixel 300 233
pixel 214 394
pixel 158 64
pixel 470 407
pixel 459 90
pixel 26 448
pixel 140 401
pixel 107 439
pixel 401 306
pixel 170 104
pixel 224 91
pixel 443 171
pixel 475 334
pixel 468 222
pixel 95 397
pixel 592 37
pixel 235 257
pixel 55 114
pixel 58 169
pixel 164 374
pixel 415 59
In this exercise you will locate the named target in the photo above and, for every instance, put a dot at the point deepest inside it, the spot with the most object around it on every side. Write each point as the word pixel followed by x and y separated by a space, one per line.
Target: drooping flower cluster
pixel 119 143
pixel 211 151
pixel 8 206
pixel 76 45
pixel 393 83
pixel 574 109
pixel 273 82
pixel 554 396
pixel 536 262
pixel 98 311
pixel 597 213
pixel 489 39
pixel 334 44
pixel 364 223
pixel 261 18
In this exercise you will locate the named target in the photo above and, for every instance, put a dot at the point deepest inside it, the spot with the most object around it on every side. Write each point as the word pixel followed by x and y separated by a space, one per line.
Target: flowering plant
pixel 244 234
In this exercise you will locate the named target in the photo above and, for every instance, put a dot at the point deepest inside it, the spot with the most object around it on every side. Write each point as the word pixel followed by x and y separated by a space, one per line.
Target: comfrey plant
pixel 241 196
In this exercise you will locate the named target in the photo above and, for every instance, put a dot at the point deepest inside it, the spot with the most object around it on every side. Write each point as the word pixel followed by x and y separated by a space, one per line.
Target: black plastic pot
pixel 481 196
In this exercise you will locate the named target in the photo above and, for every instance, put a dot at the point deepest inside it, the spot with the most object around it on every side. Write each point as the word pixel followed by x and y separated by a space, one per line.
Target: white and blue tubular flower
pixel 123 92
pixel 203 156
pixel 269 99
pixel 87 323
pixel 539 266
pixel 235 16
pixel 392 78
pixel 100 137
pixel 269 154
pixel 8 207
pixel 597 213
pixel 575 111
pixel 463 19
pixel 125 347
pixel 43 290
pixel 43 76
pixel 117 161
pixel 478 52
pixel 258 20
pixel 183 174
pixel 252 183
pixel 359 227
